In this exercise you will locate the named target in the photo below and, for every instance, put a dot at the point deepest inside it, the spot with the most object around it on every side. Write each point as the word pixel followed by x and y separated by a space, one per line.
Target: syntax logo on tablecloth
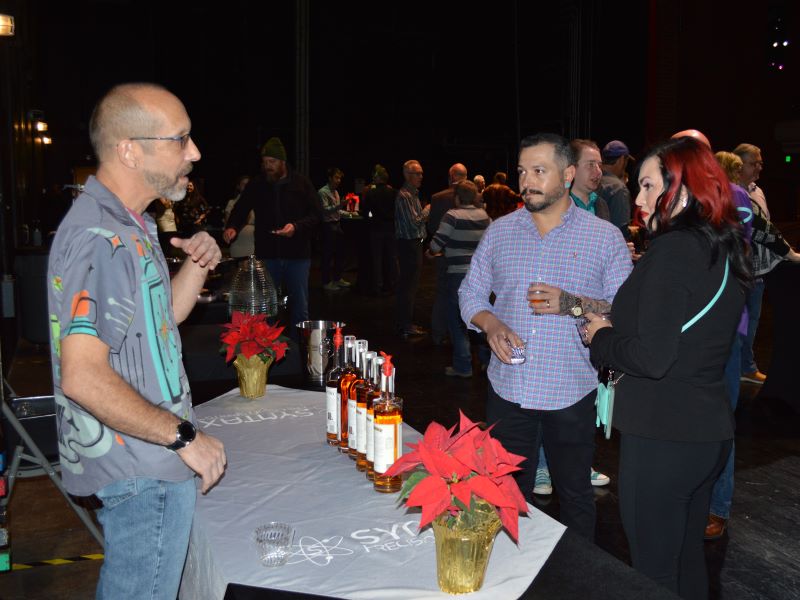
pixel 257 417
pixel 397 537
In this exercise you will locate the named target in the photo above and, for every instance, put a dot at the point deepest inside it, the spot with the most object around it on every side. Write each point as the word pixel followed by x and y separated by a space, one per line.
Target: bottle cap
pixel 387 366
pixel 337 338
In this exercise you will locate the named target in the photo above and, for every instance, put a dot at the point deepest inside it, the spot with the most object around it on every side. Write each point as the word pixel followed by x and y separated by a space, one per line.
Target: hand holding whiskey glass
pixel 536 296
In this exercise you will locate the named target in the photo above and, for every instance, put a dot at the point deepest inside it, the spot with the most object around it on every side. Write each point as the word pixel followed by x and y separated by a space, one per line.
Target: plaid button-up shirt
pixel 584 256
pixel 409 218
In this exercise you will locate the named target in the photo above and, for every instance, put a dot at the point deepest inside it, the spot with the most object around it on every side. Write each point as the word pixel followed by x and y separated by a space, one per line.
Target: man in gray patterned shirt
pixel 126 427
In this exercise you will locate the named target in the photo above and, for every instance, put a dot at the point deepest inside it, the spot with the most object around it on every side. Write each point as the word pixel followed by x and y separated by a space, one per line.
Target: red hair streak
pixel 694 165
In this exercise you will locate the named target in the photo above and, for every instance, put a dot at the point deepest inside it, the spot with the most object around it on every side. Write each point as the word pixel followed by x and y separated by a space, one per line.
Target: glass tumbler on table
pixel 274 541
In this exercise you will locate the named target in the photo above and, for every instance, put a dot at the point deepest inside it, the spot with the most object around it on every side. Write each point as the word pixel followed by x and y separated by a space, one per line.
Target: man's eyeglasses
pixel 182 139
pixel 592 164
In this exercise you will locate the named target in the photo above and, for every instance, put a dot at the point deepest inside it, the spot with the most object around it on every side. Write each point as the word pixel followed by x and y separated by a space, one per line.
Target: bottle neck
pixel 366 370
pixel 338 356
pixel 375 374
pixel 349 356
pixel 387 385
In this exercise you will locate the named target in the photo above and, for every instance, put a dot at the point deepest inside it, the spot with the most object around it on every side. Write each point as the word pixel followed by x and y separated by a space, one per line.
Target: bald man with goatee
pixel 126 428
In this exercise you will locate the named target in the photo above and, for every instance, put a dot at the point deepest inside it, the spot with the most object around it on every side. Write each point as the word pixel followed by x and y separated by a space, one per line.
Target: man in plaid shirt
pixel 546 265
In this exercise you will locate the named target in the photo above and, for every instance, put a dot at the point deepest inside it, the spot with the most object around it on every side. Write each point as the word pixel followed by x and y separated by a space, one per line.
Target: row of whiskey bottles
pixel 364 416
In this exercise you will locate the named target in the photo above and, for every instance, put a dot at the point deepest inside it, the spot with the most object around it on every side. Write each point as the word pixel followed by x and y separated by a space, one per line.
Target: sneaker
pixel 451 372
pixel 754 377
pixel 331 286
pixel 542 486
pixel 598 479
pixel 343 283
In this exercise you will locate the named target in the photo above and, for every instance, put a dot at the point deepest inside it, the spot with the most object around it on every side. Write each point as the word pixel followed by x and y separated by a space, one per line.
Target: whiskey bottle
pixel 372 395
pixel 362 389
pixel 348 375
pixel 388 416
pixel 352 435
pixel 332 403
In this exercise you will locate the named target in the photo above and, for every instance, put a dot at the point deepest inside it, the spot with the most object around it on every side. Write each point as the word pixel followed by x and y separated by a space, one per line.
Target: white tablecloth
pixel 350 541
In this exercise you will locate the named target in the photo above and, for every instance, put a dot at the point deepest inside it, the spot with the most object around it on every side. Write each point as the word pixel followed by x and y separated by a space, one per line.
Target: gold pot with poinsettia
pixel 256 345
pixel 465 487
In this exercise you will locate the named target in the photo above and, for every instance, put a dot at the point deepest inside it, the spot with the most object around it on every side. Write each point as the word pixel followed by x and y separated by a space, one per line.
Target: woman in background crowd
pixel 243 245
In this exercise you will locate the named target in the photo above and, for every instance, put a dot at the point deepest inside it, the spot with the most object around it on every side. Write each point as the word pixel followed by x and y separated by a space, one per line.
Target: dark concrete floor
pixel 757 558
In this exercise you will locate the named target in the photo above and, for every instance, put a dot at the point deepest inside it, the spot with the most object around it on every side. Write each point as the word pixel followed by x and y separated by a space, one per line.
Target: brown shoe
pixel 754 377
pixel 715 527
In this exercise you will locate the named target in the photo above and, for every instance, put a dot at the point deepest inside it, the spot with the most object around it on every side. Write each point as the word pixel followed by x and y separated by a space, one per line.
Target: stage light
pixel 40 126
pixel 6 25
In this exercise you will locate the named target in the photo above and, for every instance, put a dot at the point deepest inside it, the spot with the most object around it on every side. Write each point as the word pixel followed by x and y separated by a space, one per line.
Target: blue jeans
pixel 753 302
pixel 146 525
pixel 333 250
pixel 462 356
pixel 542 459
pixel 440 321
pixel 409 262
pixel 722 493
pixel 291 275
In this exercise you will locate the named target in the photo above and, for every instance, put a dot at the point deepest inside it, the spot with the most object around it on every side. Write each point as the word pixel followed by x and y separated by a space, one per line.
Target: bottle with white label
pixel 372 396
pixel 362 346
pixel 332 390
pixel 362 389
pixel 349 375
pixel 388 432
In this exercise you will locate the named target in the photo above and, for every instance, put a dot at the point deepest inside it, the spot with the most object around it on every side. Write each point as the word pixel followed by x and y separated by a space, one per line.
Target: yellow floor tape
pixel 55 561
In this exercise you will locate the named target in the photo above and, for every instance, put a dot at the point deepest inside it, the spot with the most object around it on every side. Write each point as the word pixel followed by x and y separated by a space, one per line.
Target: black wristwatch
pixel 577 308
pixel 185 433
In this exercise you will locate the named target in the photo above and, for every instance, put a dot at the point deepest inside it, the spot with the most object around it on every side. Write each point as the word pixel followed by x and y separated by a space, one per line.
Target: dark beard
pixel 275 176
pixel 546 202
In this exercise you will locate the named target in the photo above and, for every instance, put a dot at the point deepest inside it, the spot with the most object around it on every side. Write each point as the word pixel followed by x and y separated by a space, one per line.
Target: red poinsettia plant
pixel 452 471
pixel 250 335
pixel 351 202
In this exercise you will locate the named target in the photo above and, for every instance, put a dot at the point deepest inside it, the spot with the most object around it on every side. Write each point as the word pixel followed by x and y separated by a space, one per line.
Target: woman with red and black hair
pixel 674 321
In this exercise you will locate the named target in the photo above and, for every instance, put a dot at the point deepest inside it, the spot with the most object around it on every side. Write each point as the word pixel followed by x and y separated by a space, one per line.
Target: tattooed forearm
pixel 590 305
pixel 566 301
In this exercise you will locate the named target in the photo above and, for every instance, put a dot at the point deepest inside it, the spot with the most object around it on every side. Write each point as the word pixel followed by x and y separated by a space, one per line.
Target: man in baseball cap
pixel 615 156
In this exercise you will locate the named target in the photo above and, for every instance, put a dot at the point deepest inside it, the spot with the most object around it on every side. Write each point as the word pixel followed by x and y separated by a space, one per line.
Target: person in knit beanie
pixel 274 149
pixel 287 213
pixel 273 159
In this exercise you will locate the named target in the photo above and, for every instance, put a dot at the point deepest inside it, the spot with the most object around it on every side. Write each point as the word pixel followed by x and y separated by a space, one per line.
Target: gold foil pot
pixel 463 546
pixel 252 374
